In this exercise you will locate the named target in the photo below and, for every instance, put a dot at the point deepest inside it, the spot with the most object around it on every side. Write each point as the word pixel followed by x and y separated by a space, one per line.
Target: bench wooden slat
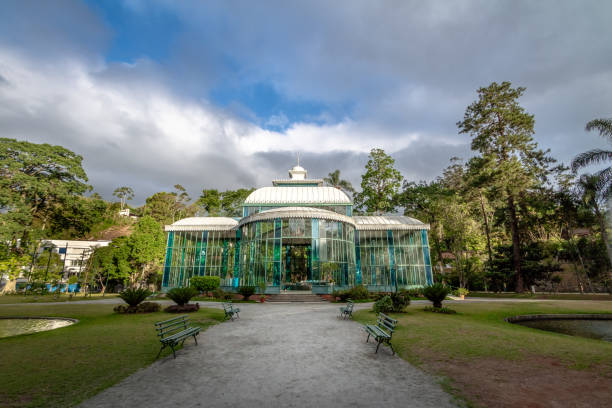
pixel 172 320
pixel 172 326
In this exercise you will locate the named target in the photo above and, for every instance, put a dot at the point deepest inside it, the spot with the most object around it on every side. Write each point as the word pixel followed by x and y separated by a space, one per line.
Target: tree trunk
pixel 486 223
pixel 516 243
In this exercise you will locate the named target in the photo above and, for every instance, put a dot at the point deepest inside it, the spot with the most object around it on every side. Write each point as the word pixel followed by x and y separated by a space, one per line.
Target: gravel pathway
pixel 278 355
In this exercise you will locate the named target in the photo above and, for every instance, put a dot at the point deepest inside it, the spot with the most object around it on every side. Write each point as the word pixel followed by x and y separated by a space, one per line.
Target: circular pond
pixel 13 326
pixel 593 326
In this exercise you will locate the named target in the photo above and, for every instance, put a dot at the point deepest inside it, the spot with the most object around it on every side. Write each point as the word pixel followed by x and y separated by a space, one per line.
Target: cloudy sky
pixel 223 94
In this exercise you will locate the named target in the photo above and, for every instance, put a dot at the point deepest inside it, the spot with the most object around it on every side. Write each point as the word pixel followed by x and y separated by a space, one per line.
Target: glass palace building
pixel 299 234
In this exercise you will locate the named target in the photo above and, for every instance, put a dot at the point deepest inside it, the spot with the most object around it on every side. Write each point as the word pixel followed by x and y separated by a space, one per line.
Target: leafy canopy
pixel 34 180
pixel 379 185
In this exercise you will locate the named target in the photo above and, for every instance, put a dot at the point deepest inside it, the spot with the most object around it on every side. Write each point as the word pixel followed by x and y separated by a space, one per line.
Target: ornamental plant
pixel 246 291
pixel 181 296
pixel 205 283
pixel 400 301
pixel 358 293
pixel 462 292
pixel 383 305
pixel 134 297
pixel 436 293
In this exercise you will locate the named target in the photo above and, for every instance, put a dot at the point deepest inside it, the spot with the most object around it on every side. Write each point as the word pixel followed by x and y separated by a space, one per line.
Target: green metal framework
pixel 199 253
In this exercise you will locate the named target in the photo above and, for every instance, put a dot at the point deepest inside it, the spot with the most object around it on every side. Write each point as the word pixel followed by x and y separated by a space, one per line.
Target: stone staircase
pixel 295 297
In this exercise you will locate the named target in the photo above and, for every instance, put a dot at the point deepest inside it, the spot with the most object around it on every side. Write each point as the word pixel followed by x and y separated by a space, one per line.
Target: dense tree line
pixel 506 218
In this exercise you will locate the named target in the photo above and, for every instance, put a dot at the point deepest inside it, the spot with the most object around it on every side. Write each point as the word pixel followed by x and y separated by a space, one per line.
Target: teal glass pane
pixel 425 242
pixel 168 261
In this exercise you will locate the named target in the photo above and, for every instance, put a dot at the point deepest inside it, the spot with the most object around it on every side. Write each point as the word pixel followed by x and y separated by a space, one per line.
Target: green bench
pixel 175 331
pixel 347 311
pixel 231 311
pixel 382 331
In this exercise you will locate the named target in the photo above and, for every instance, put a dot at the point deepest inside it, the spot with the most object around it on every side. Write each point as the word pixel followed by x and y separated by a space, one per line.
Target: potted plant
pixel 462 293
pixel 262 291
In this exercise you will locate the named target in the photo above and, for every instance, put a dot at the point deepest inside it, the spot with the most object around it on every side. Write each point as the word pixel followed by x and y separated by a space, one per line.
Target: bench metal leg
pixel 377 347
pixel 160 350
pixel 195 339
pixel 368 339
pixel 391 346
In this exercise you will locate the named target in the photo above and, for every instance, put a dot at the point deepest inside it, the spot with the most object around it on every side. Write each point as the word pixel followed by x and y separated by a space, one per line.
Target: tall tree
pixel 210 201
pixel 147 245
pixel 166 208
pixel 124 194
pixel 502 132
pixel 232 200
pixel 333 180
pixel 379 185
pixel 34 180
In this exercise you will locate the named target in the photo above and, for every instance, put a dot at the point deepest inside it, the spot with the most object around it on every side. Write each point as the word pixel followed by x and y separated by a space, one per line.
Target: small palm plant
pixel 134 297
pixel 181 296
pixel 436 293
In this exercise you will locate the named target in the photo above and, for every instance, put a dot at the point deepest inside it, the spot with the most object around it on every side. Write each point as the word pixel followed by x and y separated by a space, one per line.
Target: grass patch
pixel 19 298
pixel 479 330
pixel 478 333
pixel 542 296
pixel 63 367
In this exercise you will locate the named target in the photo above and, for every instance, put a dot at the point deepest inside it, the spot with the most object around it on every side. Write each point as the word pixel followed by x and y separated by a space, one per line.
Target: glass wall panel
pixel 199 253
pixel 390 259
pixel 298 250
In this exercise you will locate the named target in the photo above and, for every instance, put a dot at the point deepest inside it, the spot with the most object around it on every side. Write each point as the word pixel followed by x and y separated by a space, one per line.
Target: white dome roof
pixel 203 224
pixel 297 195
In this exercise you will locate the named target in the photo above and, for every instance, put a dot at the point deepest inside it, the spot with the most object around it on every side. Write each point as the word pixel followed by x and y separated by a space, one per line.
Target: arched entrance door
pixel 296 265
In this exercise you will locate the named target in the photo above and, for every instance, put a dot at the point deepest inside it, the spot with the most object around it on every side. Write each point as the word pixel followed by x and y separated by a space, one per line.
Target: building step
pixel 295 297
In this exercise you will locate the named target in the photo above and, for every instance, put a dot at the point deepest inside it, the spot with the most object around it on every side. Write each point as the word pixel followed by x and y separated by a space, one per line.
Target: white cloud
pixel 140 133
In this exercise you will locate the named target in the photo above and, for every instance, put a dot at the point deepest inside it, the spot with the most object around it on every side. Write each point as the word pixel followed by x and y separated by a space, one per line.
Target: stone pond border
pixel 579 316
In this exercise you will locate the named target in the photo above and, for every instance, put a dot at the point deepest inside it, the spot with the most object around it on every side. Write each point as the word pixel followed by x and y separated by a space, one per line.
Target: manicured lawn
pixel 65 366
pixel 493 363
pixel 550 296
pixel 8 299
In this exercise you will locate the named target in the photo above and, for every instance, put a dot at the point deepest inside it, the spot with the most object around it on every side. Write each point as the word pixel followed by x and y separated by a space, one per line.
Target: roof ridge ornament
pixel 298 172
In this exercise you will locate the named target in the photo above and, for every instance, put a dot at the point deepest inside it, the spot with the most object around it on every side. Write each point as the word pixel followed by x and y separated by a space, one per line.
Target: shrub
pixel 358 293
pixel 436 293
pixel 181 296
pixel 444 310
pixel 383 305
pixel 182 308
pixel 205 283
pixel 415 292
pixel 246 291
pixel 461 292
pixel 145 307
pixel 134 297
pixel 400 301
pixel 219 293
